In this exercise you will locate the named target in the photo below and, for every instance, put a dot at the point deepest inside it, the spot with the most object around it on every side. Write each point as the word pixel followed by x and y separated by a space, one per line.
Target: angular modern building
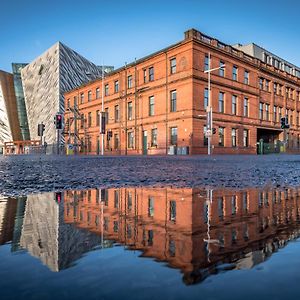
pixel 9 121
pixel 46 79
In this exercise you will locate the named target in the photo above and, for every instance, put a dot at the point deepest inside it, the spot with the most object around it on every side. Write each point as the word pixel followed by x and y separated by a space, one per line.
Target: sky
pixel 115 32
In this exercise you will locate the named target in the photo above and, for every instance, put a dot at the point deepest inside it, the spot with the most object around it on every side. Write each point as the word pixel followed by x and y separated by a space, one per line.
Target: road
pixel 22 175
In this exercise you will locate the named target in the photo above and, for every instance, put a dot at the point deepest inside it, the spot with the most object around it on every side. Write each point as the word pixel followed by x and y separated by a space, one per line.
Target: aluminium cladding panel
pixel 75 70
pixel 41 90
pixel 45 81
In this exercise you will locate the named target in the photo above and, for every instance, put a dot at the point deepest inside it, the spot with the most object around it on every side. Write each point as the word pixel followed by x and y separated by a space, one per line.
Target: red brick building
pixel 157 105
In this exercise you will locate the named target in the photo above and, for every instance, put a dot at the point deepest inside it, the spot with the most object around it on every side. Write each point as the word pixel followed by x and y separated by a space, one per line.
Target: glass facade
pixel 21 107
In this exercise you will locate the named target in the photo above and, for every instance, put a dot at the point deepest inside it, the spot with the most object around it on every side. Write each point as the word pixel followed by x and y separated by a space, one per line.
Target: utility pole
pixel 102 112
pixel 209 118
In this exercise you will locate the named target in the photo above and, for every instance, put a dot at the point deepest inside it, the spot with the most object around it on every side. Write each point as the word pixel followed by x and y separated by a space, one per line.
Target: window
pixel 261 110
pixel 205 139
pixel 267 112
pixel 235 73
pixel 89 119
pixel 117 109
pixel 116 86
pixel 298 118
pixel 75 101
pixel 221 136
pixel 154 137
pixel 130 139
pixel 233 205
pixel 233 105
pixel 69 103
pixel 81 98
pixel 151 74
pixel 145 75
pixel 173 65
pixel 150 207
pixel 172 210
pixel 206 62
pixel 129 201
pixel 106 87
pixel 279 113
pixel 205 98
pixel 89 96
pixel 106 116
pixel 246 107
pixel 173 101
pixel 116 201
pixel 98 118
pixel 81 120
pixel 116 141
pixel 246 138
pixel 268 85
pixel 221 102
pixel 275 113
pixel 221 70
pixel 97 93
pixel 173 135
pixel 151 106
pixel 221 208
pixel 234 137
pixel 129 82
pixel 246 77
pixel 261 83
pixel 275 87
pixel 129 111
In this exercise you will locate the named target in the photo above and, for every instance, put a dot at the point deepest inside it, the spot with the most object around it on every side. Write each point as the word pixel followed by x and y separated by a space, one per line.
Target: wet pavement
pixel 21 175
pixel 224 227
pixel 151 243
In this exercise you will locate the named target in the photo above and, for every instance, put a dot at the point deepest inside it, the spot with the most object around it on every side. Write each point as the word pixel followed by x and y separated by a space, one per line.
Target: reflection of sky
pixel 116 273
pixel 99 29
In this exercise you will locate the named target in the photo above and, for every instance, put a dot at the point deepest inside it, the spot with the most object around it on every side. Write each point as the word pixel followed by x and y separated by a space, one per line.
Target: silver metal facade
pixel 45 81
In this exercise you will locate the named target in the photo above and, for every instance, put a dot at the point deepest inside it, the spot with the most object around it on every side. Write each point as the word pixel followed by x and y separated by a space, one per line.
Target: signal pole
pixel 102 113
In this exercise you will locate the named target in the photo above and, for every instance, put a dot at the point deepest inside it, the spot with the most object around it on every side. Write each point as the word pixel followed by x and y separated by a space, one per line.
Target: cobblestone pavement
pixel 20 175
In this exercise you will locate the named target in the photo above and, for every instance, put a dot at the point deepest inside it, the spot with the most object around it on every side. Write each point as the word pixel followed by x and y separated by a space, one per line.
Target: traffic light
pixel 41 129
pixel 284 123
pixel 58 197
pixel 58 121
pixel 214 130
pixel 102 123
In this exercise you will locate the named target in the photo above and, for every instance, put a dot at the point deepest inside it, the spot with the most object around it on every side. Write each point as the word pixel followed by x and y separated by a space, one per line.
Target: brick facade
pixel 145 107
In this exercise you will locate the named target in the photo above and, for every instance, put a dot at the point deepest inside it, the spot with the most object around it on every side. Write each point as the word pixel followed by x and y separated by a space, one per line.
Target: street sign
pixel 208 133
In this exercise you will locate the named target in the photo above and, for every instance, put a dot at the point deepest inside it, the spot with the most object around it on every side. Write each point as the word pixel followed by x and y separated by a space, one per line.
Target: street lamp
pixel 209 119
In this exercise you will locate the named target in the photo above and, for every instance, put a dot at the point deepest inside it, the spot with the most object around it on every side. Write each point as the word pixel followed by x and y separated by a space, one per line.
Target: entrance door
pixel 145 143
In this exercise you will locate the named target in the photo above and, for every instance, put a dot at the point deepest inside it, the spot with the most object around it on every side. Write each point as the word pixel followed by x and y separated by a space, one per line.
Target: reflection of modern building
pixel 45 236
pixel 191 229
pixel 45 80
pixel 9 122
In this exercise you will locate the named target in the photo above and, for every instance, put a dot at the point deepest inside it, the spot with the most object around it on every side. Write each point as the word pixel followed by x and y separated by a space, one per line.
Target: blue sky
pixel 118 31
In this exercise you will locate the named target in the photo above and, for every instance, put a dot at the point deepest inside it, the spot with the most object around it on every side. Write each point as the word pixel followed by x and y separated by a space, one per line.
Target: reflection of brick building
pixel 160 101
pixel 189 228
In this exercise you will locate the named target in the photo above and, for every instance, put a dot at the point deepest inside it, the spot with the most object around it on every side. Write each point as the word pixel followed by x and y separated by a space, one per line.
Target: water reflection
pixel 201 232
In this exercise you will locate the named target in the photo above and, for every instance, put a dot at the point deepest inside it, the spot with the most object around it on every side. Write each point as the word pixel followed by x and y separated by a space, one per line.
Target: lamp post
pixel 209 119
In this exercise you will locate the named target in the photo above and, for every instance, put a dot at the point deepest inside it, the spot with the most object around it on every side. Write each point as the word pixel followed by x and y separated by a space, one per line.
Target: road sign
pixel 208 133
